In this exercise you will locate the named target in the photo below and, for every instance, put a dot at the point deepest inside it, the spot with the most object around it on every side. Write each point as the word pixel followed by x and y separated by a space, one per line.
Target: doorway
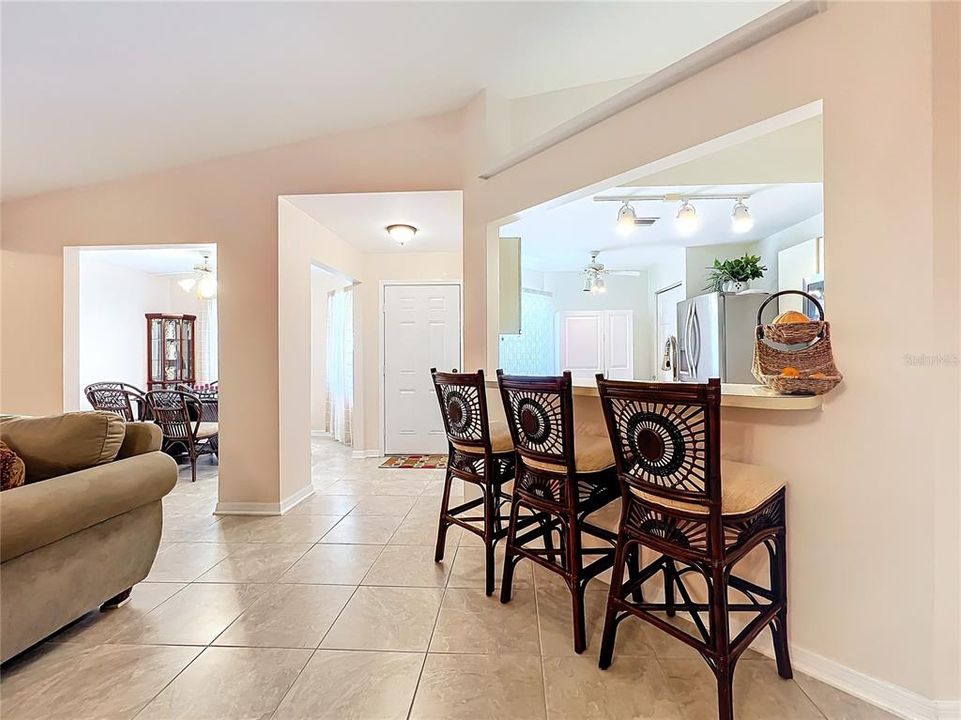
pixel 665 309
pixel 422 329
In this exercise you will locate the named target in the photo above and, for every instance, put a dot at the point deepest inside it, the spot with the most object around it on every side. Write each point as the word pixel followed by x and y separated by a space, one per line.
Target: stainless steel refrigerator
pixel 716 336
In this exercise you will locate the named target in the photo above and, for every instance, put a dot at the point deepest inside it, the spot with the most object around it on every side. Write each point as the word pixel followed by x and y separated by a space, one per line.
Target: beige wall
pixel 873 574
pixel 873 477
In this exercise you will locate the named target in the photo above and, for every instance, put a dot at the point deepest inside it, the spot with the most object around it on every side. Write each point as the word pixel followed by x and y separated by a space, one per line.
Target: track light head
pixel 741 220
pixel 626 219
pixel 687 219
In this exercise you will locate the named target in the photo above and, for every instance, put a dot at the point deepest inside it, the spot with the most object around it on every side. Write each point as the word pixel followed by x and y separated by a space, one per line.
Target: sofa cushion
pixel 36 515
pixel 11 468
pixel 58 444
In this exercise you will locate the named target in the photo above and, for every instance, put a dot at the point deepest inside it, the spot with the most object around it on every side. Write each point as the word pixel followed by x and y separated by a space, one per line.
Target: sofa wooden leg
pixel 118 600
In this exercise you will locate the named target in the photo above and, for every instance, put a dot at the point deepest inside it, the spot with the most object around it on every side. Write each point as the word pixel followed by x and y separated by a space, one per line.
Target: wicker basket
pixel 804 346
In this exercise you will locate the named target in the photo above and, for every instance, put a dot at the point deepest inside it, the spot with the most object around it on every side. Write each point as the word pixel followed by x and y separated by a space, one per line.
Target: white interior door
pixel 422 329
pixel 666 307
pixel 596 341
pixel 619 345
pixel 581 342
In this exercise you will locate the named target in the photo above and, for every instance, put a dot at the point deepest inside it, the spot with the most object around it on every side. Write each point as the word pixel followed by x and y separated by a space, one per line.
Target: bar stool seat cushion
pixel 744 488
pixel 500 441
pixel 207 430
pixel 592 453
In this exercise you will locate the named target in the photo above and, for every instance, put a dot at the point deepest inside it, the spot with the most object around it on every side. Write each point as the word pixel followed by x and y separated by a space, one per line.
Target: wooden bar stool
pixel 562 477
pixel 479 452
pixel 702 514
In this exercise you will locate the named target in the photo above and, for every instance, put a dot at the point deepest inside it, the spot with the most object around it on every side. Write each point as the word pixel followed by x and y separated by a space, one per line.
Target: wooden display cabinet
pixel 171 356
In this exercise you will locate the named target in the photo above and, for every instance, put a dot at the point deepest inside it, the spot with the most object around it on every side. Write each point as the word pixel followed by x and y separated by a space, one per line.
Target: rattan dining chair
pixel 172 411
pixel 125 400
pixel 701 515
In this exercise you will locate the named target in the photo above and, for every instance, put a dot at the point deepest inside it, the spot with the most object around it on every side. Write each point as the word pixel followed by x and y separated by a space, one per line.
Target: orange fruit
pixel 791 316
pixel 790 372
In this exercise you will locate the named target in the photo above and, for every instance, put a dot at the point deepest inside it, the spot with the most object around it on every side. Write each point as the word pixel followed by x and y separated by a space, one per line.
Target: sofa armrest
pixel 140 438
pixel 41 513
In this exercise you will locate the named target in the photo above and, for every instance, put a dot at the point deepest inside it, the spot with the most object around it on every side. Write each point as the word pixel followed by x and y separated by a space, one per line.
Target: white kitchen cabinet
pixel 593 341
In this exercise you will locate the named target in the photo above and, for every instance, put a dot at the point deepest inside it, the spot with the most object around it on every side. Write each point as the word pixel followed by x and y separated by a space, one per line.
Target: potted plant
pixel 733 275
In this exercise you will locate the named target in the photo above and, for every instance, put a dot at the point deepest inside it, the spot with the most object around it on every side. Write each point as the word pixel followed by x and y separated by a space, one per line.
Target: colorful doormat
pixel 421 462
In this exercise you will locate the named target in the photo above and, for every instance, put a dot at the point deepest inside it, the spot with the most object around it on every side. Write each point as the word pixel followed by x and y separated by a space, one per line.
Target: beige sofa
pixel 85 528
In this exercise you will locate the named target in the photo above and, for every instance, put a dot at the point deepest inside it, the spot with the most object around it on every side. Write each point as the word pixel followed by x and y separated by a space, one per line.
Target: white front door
pixel 422 329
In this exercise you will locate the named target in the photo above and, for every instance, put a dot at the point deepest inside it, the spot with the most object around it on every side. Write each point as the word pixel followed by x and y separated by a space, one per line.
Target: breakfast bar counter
pixel 755 397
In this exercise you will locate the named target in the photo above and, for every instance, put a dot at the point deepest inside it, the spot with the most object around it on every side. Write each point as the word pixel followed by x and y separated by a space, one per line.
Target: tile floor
pixel 338 611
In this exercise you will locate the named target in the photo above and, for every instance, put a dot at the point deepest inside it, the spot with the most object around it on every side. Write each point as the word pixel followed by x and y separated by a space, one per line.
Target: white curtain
pixel 340 364
pixel 206 341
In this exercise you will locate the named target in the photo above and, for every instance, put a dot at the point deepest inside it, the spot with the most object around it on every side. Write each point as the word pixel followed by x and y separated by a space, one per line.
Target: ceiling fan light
pixel 741 220
pixel 687 219
pixel 600 286
pixel 400 233
pixel 626 219
pixel 588 284
pixel 207 286
pixel 187 284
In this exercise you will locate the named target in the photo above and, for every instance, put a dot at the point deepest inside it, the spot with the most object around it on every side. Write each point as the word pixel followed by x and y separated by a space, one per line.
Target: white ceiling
pixel 153 260
pixel 560 239
pixel 361 218
pixel 99 90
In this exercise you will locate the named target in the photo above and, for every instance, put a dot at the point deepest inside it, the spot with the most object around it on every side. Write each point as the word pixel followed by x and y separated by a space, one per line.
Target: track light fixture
pixel 687 219
pixel 741 220
pixel 626 219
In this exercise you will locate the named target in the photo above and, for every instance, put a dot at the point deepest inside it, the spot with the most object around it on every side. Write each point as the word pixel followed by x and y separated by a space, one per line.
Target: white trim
pixel 252 508
pixel 381 329
pixel 362 454
pixel 767 25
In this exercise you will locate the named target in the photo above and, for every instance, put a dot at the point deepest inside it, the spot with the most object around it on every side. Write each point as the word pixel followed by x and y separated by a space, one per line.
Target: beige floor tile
pixel 229 684
pixel 97 627
pixel 288 616
pixel 293 529
pixel 470 568
pixel 105 682
pixel 631 689
pixel 234 528
pixel 408 566
pixel 363 529
pixel 395 505
pixel 329 564
pixel 345 685
pixel 194 616
pixel 255 562
pixel 401 487
pixel 379 618
pixel 480 687
pixel 327 505
pixel 837 705
pixel 422 530
pixel 634 637
pixel 427 505
pixel 759 693
pixel 471 622
pixel 185 562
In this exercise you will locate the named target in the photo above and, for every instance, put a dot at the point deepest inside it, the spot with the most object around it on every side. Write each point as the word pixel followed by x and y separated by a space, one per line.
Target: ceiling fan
pixel 594 273
pixel 204 279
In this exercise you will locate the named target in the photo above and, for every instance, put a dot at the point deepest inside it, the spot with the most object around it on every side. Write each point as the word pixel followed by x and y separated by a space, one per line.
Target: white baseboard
pixel 289 503
pixel 880 693
pixel 362 454
pixel 279 508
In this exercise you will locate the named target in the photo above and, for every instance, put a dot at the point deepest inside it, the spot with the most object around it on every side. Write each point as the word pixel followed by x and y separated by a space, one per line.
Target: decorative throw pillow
pixel 12 469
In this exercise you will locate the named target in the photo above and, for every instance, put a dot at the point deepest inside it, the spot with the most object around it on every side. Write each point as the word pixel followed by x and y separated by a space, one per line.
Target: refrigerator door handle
pixel 696 340
pixel 688 340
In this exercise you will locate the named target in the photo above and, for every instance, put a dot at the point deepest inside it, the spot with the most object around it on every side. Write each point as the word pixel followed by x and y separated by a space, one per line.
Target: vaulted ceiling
pixel 93 91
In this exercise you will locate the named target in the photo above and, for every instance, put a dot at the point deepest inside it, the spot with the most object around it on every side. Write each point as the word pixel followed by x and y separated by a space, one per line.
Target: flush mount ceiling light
pixel 203 282
pixel 687 218
pixel 741 220
pixel 400 233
